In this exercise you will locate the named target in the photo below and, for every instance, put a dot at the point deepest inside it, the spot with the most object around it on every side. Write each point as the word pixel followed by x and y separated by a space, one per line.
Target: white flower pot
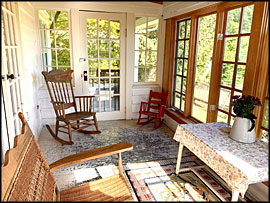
pixel 239 131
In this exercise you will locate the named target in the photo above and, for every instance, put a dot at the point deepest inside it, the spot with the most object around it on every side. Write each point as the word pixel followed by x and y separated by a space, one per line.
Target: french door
pixel 11 75
pixel 103 62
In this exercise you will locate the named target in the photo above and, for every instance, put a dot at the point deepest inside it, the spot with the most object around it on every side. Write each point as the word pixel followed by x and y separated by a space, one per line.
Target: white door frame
pixel 115 115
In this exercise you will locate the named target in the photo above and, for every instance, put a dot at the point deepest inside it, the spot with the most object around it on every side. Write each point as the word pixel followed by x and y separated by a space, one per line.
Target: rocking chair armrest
pixel 162 109
pixel 59 108
pixel 91 154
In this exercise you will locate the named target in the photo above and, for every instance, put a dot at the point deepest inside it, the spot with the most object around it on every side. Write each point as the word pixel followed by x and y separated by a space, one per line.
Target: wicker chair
pixel 59 84
pixel 26 176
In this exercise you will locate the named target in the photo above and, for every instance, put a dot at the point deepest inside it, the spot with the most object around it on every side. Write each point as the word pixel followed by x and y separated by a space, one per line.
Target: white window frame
pixel 160 51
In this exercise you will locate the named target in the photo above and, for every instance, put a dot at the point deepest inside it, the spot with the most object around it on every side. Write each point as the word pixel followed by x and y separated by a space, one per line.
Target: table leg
pixel 179 157
pixel 235 195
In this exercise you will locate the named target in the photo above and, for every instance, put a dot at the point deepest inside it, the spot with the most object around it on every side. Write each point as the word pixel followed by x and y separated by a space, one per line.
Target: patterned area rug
pixel 156 181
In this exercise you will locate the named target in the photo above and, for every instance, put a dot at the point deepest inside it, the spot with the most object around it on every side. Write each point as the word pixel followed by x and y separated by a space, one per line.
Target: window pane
pixel 177 100
pixel 104 103
pixel 115 67
pixel 179 66
pixel 244 42
pixel 95 106
pixel 93 68
pixel 141 74
pixel 104 48
pixel 247 19
pixel 104 86
pixel 46 19
pixel 115 105
pixel 183 103
pixel 181 49
pixel 140 25
pixel 227 74
pixel 240 75
pixel 115 85
pixel 152 42
pixel 233 21
pixel 186 48
pixel 199 110
pixel 203 66
pixel 182 30
pixel 63 57
pixel 93 87
pixel 115 49
pixel 62 39
pixel 222 117
pixel 151 58
pixel 152 28
pixel 265 136
pixel 115 29
pixel 91 28
pixel 139 58
pixel 104 68
pixel 61 19
pixel 266 115
pixel 103 28
pixel 92 49
pixel 150 74
pixel 230 49
pixel 140 42
pixel 178 83
pixel 188 29
pixel 184 86
pixel 185 67
pixel 224 99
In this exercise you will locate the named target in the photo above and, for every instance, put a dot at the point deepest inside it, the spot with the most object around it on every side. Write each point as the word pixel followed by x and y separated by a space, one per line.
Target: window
pixel 54 39
pixel 236 43
pixel 146 45
pixel 204 54
pixel 181 62
pixel 265 122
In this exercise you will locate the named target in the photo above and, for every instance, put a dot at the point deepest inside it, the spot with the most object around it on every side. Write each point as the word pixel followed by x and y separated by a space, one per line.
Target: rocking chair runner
pixel 26 176
pixel 154 108
pixel 59 84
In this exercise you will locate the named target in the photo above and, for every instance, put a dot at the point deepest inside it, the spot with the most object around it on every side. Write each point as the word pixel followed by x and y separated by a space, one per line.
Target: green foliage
pixel 244 105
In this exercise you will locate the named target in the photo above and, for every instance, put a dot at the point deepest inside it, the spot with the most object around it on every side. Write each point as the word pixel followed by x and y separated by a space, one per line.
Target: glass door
pixel 103 46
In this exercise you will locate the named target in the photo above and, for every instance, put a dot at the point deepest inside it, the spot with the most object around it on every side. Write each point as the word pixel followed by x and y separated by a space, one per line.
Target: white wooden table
pixel 238 164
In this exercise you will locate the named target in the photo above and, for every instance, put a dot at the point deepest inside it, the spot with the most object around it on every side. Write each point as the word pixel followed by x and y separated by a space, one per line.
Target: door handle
pixel 85 75
pixel 10 76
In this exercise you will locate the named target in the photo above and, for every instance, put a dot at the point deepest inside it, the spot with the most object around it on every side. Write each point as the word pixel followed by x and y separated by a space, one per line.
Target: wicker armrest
pixel 91 154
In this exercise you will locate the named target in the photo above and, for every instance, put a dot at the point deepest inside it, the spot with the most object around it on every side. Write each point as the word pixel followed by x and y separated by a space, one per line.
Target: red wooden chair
pixel 154 108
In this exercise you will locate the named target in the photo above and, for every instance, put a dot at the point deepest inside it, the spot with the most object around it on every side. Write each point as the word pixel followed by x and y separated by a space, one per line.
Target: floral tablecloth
pixel 237 163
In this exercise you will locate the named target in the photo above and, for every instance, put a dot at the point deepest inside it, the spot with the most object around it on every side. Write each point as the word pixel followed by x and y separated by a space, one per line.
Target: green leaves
pixel 244 105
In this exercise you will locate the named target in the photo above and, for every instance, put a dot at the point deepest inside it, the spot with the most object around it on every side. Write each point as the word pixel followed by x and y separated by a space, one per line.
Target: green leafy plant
pixel 243 107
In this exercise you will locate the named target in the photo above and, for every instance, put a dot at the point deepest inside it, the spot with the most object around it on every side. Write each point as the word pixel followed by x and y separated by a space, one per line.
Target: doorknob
pixel 10 76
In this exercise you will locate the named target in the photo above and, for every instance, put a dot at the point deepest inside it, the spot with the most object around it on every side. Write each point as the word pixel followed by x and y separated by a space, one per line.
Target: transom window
pixel 55 39
pixel 146 45
pixel 181 63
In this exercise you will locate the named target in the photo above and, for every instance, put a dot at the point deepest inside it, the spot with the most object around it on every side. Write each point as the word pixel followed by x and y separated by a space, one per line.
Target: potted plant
pixel 243 126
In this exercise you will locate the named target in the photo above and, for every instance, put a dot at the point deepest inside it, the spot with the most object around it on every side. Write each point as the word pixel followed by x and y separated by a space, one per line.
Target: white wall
pixel 31 60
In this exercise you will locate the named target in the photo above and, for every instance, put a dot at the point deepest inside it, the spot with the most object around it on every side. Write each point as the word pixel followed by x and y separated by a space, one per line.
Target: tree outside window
pixel 146 45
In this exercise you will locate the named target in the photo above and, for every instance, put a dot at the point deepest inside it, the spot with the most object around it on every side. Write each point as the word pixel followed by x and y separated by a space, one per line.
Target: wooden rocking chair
pixel 59 84
pixel 26 176
pixel 154 108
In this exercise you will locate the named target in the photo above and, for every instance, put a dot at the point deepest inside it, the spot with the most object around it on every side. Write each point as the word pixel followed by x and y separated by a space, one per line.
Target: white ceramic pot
pixel 239 131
